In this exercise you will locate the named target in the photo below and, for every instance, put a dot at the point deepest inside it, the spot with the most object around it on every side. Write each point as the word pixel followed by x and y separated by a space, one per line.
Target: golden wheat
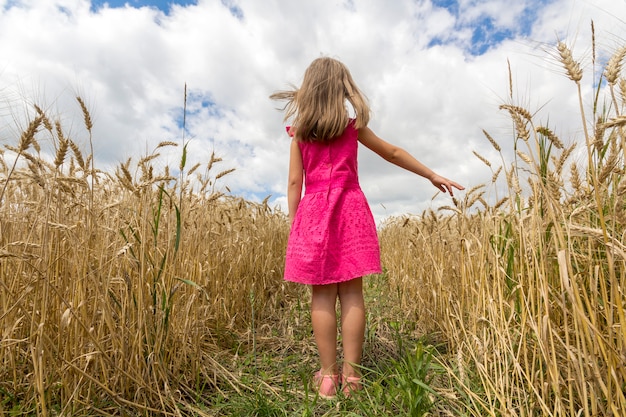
pixel 61 152
pixel 223 173
pixel 482 158
pixel 550 136
pixel 121 346
pixel 78 155
pixel 46 121
pixel 616 121
pixel 521 117
pixel 563 157
pixel 496 174
pixel 524 157
pixel 492 141
pixel 614 66
pixel 86 114
pixel 131 312
pixel 28 136
pixel 572 68
pixel 622 89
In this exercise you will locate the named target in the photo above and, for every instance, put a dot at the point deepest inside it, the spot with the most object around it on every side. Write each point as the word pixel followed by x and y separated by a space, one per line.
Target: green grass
pixel 400 372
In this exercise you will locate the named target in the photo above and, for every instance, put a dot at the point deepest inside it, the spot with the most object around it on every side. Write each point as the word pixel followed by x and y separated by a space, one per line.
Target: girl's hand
pixel 444 184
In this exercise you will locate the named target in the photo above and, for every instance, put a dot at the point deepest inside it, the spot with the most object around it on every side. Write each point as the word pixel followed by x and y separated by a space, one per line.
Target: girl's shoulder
pixel 349 130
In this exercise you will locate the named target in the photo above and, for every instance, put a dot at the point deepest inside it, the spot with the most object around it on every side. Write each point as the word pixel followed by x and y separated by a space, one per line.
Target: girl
pixel 333 240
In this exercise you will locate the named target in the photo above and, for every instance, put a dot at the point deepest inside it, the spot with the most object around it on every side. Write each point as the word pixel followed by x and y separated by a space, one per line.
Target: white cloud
pixel 411 58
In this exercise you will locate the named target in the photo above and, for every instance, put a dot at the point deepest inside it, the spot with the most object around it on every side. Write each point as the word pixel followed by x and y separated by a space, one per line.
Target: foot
pixel 326 385
pixel 350 384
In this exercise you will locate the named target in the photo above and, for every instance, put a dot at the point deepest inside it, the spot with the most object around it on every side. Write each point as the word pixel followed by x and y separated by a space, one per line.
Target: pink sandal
pixel 351 384
pixel 326 385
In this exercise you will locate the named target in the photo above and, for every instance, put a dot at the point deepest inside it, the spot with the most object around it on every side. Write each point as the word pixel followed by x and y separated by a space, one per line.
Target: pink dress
pixel 333 236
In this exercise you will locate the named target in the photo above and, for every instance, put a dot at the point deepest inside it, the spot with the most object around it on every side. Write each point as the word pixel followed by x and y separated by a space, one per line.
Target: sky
pixel 434 71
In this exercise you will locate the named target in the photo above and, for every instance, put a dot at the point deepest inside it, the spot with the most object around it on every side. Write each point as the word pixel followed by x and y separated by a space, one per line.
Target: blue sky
pixel 435 72
pixel 163 5
pixel 486 30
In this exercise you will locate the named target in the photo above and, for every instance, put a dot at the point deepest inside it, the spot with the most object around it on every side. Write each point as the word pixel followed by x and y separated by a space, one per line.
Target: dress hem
pixel 334 280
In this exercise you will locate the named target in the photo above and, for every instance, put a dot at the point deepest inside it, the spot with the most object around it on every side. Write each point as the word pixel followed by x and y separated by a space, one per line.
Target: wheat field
pixel 130 292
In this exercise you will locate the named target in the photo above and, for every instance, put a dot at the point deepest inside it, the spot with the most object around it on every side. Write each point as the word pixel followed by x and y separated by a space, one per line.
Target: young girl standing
pixel 333 241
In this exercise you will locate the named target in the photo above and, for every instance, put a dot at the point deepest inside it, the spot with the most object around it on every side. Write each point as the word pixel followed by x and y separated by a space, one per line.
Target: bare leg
pixel 324 321
pixel 352 324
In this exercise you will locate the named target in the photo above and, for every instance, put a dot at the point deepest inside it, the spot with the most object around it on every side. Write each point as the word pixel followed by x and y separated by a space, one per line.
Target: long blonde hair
pixel 318 107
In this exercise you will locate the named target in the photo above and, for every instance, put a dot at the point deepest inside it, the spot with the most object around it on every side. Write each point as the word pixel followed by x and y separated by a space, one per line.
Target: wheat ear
pixel 572 68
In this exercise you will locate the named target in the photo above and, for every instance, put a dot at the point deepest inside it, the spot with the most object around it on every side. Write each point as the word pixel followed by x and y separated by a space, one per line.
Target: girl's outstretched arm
pixel 296 176
pixel 403 159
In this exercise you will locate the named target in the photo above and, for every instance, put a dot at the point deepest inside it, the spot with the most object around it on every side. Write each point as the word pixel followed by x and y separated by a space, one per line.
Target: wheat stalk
pixel 474 198
pixel 147 173
pixel 496 174
pixel 473 189
pixel 622 89
pixel 572 68
pixel 575 178
pixel 548 134
pixel 124 176
pixel 615 122
pixel 86 114
pixel 563 157
pixel 524 157
pixel 78 155
pixel 194 168
pixel 146 159
pixel 513 181
pixel 27 137
pixel 621 189
pixel 61 152
pixel 223 173
pixel 212 161
pixel 517 110
pixel 46 122
pixel 609 165
pixel 166 143
pixel 614 66
pixel 36 173
pixel 483 159
pixel 518 114
pixel 500 203
pixel 492 141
